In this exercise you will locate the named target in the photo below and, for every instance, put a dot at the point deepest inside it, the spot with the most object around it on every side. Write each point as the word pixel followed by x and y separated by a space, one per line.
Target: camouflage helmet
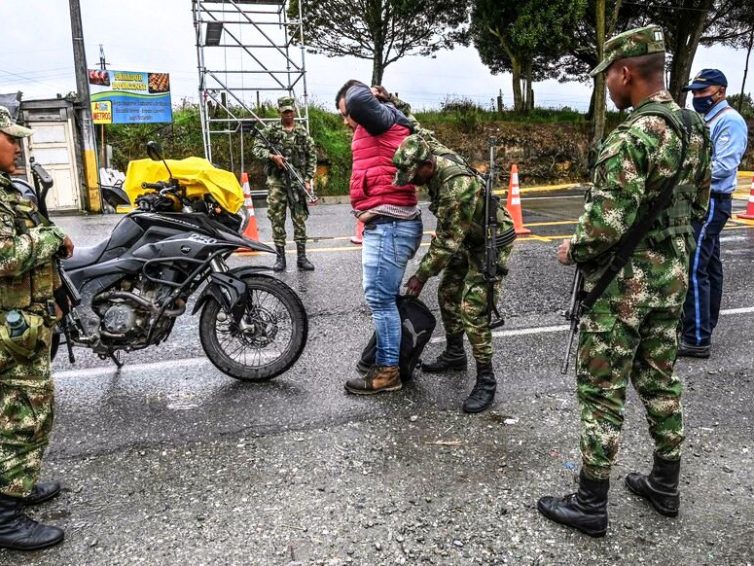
pixel 412 152
pixel 632 43
pixel 286 103
pixel 8 126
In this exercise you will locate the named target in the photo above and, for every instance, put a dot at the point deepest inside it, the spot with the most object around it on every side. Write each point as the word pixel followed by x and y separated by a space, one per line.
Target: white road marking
pixel 184 363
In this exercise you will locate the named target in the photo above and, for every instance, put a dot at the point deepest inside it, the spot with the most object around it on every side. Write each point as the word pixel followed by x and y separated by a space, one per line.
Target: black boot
pixel 660 487
pixel 585 510
pixel 483 393
pixel 19 532
pixel 42 491
pixel 302 262
pixel 280 261
pixel 453 357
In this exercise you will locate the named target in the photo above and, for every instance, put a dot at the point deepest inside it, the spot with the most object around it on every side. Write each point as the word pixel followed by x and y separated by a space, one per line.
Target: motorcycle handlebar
pixel 157 186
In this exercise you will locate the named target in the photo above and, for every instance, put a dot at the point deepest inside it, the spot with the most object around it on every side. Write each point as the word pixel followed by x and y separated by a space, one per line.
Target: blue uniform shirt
pixel 729 136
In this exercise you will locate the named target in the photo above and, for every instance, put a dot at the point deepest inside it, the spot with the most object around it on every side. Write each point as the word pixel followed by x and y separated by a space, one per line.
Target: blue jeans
pixel 386 249
pixel 702 306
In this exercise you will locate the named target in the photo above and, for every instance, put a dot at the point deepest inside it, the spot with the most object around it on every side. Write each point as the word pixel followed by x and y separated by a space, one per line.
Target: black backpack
pixel 417 325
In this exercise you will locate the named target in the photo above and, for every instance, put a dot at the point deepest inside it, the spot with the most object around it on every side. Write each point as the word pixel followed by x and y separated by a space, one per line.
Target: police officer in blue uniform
pixel 729 135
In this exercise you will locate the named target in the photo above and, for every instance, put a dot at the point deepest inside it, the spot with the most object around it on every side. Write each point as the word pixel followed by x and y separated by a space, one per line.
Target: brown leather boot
pixel 377 379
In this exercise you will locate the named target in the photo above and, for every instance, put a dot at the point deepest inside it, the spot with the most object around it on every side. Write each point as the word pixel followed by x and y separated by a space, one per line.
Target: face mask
pixel 703 104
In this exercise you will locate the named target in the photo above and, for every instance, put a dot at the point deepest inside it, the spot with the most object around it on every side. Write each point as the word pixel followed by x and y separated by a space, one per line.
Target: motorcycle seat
pixel 83 257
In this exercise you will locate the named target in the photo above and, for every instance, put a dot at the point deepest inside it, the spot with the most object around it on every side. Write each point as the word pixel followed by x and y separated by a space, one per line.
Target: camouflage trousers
pixel 639 346
pixel 462 295
pixel 277 204
pixel 26 414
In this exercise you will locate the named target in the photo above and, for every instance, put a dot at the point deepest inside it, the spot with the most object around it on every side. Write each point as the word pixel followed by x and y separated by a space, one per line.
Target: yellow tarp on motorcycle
pixel 197 174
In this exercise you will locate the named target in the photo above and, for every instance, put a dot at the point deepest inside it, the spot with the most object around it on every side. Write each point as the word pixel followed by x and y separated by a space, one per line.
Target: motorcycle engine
pixel 119 318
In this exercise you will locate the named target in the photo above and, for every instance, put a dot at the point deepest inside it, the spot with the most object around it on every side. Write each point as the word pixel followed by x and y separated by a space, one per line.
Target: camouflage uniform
pixel 631 332
pixel 457 201
pixel 298 148
pixel 27 280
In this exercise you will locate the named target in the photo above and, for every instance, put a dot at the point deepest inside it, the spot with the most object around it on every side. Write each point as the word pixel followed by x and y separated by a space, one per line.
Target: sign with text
pixel 128 97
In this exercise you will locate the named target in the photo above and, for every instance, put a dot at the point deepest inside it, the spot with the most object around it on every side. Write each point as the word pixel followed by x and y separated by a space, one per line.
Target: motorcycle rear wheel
pixel 276 331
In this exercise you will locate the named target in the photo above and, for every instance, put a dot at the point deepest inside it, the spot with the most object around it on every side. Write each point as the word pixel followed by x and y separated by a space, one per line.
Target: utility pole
pixel 102 127
pixel 84 110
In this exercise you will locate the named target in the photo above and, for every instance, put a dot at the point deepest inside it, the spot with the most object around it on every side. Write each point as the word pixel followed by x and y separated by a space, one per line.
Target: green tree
pixel 382 31
pixel 688 24
pixel 525 38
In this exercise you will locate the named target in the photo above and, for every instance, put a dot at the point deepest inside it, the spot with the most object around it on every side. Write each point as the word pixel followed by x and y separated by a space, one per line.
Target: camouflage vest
pixel 675 220
pixel 291 144
pixel 34 288
pixel 459 168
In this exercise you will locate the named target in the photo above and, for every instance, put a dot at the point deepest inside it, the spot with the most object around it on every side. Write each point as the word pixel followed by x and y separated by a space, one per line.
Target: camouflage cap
pixel 632 43
pixel 8 126
pixel 412 152
pixel 286 103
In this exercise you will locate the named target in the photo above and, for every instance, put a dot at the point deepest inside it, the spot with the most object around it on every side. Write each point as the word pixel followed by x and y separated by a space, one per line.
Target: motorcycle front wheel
pixel 268 341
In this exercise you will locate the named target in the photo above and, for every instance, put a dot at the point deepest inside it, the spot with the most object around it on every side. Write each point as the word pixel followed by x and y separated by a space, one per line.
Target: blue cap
pixel 705 78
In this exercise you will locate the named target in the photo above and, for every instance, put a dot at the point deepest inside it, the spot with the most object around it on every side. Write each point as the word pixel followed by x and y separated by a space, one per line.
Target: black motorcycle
pixel 135 284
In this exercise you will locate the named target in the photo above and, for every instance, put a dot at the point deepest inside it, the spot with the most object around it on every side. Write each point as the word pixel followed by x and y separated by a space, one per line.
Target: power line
pixel 668 7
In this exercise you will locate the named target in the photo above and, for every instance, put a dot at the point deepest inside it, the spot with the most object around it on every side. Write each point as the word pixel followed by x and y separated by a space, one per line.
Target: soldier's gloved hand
pixel 66 248
pixel 278 160
pixel 563 250
pixel 414 286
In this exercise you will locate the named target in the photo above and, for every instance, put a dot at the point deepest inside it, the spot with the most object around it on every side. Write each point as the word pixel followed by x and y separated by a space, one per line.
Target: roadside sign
pixel 130 97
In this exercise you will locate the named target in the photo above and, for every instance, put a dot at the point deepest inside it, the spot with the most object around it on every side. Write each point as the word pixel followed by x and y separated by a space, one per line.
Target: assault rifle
pixel 291 174
pixel 573 315
pixel 66 296
pixel 492 243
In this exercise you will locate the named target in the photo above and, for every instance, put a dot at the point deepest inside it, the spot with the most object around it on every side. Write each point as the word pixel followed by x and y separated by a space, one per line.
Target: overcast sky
pixel 158 36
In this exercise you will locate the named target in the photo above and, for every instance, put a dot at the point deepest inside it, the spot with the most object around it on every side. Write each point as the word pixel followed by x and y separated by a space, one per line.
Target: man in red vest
pixel 392 224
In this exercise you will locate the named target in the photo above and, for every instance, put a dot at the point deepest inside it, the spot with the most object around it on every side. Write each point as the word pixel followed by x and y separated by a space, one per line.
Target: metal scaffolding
pixel 246 56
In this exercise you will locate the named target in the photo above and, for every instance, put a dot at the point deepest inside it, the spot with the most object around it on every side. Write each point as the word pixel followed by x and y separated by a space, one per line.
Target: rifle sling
pixel 640 228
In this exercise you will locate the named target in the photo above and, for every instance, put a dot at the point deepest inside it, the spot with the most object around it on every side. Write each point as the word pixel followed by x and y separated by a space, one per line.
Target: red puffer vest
pixel 373 170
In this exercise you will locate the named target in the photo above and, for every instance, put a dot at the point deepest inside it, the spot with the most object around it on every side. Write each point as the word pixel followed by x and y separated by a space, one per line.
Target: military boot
pixel 280 261
pixel 42 491
pixel 19 532
pixel 483 393
pixel 660 487
pixel 585 510
pixel 302 262
pixel 377 379
pixel 453 357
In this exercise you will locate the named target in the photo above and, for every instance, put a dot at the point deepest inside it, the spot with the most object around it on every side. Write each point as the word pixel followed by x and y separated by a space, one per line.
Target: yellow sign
pixel 102 112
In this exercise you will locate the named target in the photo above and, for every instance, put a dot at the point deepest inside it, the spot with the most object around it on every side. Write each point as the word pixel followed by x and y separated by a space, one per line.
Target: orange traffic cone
pixel 251 232
pixel 749 214
pixel 357 238
pixel 514 203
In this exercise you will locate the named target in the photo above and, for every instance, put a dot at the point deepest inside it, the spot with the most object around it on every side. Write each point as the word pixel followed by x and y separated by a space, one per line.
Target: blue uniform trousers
pixel 702 306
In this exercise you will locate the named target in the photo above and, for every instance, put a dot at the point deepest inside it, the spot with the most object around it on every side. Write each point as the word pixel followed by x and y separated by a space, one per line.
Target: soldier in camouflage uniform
pixel 297 147
pixel 27 313
pixel 630 334
pixel 457 200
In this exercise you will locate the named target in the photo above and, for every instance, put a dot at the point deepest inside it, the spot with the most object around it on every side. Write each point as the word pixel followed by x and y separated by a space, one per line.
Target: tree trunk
pixel 598 98
pixel 518 101
pixel 746 71
pixel 378 69
pixel 684 47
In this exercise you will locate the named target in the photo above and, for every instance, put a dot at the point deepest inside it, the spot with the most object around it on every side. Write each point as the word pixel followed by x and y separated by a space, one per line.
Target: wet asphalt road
pixel 168 460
